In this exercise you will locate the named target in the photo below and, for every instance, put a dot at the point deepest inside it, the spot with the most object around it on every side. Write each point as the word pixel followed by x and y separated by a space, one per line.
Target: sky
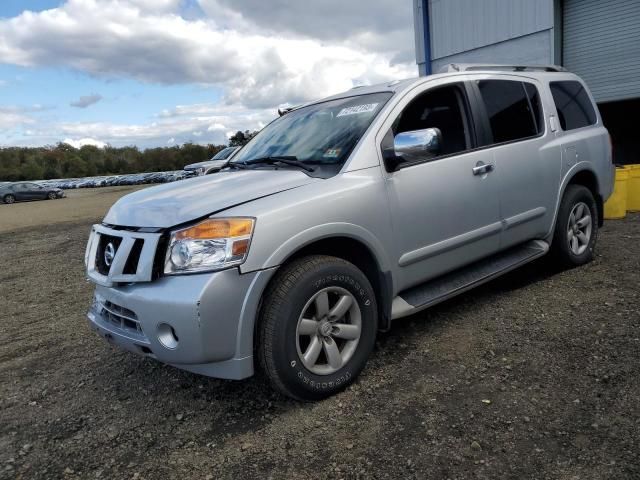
pixel 164 72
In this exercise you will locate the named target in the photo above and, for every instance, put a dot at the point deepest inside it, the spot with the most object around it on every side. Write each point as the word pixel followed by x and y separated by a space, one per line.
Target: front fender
pixel 329 230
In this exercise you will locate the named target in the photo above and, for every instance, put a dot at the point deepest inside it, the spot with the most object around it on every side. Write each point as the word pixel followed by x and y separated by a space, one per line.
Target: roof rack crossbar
pixel 467 67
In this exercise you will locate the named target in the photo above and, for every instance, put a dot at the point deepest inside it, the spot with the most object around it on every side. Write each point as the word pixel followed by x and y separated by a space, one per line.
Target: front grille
pixel 121 317
pixel 105 240
pixel 131 267
pixel 133 255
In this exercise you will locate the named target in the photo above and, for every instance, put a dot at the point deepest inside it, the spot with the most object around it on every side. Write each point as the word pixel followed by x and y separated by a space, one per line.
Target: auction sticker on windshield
pixel 356 109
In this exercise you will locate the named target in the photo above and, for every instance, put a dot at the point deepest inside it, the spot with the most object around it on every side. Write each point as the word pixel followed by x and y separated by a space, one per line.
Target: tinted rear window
pixel 574 106
pixel 509 108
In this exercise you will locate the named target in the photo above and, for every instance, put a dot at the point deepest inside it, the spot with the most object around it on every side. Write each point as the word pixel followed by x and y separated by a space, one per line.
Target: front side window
pixel 442 108
pixel 224 153
pixel 574 106
pixel 323 133
pixel 514 110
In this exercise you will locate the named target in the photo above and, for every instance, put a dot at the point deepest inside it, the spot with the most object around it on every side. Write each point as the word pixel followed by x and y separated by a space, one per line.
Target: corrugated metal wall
pixel 491 31
pixel 601 43
pixel 533 49
pixel 463 25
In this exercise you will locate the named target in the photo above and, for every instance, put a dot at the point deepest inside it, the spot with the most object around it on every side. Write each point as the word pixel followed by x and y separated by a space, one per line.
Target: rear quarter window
pixel 573 104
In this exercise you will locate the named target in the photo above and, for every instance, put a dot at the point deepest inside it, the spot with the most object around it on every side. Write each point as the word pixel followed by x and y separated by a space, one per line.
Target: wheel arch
pixel 353 249
pixel 362 256
pixel 587 178
pixel 581 174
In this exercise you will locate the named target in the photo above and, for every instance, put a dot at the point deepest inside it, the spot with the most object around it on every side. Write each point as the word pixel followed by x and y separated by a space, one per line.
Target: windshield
pixel 324 133
pixel 224 153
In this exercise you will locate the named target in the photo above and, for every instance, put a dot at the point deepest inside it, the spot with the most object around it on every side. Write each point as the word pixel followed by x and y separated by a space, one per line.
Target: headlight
pixel 213 244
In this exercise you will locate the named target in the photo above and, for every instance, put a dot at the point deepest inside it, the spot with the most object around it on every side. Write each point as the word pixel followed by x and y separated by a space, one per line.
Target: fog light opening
pixel 167 336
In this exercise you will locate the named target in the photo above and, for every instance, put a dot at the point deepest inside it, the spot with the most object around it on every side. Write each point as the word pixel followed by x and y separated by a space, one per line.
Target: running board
pixel 451 284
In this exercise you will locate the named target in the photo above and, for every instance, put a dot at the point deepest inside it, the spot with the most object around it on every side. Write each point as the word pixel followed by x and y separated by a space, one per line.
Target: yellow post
pixel 616 206
pixel 633 188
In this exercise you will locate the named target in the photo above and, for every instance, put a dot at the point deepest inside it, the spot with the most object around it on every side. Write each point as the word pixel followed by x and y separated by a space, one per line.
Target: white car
pixel 213 165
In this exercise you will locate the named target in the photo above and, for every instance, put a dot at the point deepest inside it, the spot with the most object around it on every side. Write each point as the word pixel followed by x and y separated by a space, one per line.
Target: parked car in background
pixel 217 162
pixel 350 212
pixel 26 191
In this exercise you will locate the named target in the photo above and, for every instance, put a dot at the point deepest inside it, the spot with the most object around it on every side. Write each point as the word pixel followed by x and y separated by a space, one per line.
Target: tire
pixel 576 229
pixel 9 199
pixel 51 196
pixel 297 293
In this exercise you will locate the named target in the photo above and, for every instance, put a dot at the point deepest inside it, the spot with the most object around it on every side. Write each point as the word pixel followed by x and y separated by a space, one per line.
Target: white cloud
pixel 13 117
pixel 261 54
pixel 204 123
pixel 386 25
pixel 85 141
pixel 255 66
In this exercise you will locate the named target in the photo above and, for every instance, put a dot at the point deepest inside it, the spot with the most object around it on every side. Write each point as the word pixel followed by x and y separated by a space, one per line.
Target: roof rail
pixel 467 67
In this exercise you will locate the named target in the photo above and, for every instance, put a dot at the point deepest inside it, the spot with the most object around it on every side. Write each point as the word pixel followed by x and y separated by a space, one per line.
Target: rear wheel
pixel 317 328
pixel 9 199
pixel 576 228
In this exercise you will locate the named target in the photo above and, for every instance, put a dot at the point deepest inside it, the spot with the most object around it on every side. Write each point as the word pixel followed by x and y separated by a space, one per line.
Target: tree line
pixel 65 161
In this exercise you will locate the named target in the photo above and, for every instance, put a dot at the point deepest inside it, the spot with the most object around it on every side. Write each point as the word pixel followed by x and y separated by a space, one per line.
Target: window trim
pixel 486 123
pixel 469 117
pixel 593 104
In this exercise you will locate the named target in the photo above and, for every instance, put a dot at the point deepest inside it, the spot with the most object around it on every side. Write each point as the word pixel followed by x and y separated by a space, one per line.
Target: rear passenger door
pixel 526 156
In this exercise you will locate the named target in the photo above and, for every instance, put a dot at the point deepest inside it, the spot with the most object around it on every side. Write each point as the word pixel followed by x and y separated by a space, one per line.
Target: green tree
pixel 32 171
pixel 74 166
pixel 239 138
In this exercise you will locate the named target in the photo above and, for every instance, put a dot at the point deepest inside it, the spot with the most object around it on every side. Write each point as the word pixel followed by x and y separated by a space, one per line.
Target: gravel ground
pixel 534 375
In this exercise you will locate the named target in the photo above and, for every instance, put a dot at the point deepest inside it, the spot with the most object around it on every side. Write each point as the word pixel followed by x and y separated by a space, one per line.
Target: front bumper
pixel 201 323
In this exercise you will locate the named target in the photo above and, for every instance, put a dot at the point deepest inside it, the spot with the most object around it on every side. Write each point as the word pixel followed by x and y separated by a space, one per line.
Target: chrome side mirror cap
pixel 412 146
pixel 418 144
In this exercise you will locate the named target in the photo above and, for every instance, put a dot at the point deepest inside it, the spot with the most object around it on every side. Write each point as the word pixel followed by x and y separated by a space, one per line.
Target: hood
pixel 185 200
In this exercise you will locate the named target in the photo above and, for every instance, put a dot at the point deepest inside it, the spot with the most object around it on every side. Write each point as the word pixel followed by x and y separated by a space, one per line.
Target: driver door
pixel 445 214
pixel 37 191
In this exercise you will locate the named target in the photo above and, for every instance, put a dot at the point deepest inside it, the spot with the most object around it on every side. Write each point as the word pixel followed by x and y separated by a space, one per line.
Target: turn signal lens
pixel 214 228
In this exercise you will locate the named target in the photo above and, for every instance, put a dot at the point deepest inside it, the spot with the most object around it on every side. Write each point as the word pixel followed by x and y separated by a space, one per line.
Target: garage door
pixel 601 43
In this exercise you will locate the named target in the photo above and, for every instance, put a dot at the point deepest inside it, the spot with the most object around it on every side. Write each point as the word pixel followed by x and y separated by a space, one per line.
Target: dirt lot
pixel 82 204
pixel 535 375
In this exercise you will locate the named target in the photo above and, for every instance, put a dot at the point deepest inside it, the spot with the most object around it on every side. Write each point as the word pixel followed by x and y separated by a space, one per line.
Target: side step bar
pixel 434 291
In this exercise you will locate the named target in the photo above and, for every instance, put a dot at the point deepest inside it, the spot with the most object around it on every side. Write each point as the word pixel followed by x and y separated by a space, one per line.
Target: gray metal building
pixel 597 39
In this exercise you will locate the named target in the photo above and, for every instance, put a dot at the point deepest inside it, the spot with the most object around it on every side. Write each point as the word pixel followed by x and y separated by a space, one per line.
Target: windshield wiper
pixel 287 160
pixel 241 166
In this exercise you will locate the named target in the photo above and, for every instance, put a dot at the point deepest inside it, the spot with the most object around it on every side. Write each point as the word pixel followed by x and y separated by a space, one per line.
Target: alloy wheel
pixel 579 228
pixel 328 330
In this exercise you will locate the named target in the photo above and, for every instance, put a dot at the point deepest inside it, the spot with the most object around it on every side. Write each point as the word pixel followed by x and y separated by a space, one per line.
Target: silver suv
pixel 347 213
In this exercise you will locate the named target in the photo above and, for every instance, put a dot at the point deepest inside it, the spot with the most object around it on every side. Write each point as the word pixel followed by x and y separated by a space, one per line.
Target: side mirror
pixel 414 145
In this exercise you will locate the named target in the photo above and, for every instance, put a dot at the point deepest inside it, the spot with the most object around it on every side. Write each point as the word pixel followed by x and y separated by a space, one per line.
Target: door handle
pixel 481 168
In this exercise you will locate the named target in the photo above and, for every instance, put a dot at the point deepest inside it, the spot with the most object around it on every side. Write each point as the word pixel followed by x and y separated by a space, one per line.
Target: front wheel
pixel 576 228
pixel 317 328
pixel 52 196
